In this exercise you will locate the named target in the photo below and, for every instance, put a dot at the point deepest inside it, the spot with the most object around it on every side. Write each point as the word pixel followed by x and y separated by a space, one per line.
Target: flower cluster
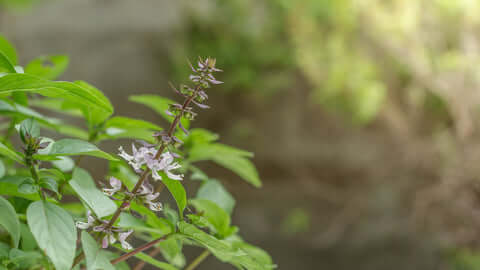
pixel 146 158
pixel 146 195
pixel 202 79
pixel 204 72
pixel 145 155
pixel 111 234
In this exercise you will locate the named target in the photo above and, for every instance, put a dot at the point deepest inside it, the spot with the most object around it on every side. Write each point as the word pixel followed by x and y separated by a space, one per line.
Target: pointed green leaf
pixel 25 112
pixel 96 258
pixel 222 249
pixel 215 216
pixel 84 186
pixel 9 221
pixel 29 127
pixel 48 67
pixel 144 257
pixel 178 192
pixel 10 185
pixel 75 147
pixel 5 64
pixel 27 241
pixel 8 50
pixel 11 154
pixel 73 92
pixel 214 191
pixel 124 127
pixel 54 231
pixel 95 116
pixel 231 158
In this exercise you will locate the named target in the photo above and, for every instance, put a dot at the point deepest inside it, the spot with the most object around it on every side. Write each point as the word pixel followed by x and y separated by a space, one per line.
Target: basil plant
pixel 55 215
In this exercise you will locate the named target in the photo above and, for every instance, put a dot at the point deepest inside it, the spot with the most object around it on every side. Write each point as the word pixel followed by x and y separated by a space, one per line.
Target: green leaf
pixel 3 170
pixel 27 241
pixel 58 106
pixel 158 104
pixel 144 257
pixel 256 253
pixel 95 257
pixel 231 158
pixel 215 216
pixel 8 50
pixel 65 164
pixel 4 250
pixel 124 127
pixel 55 232
pixel 84 186
pixel 25 112
pixel 9 221
pixel 48 67
pixel 130 123
pixel 73 147
pixel 28 186
pixel 214 191
pixel 49 183
pixel 198 136
pixel 69 130
pixel 153 221
pixel 128 221
pixel 9 185
pixel 5 64
pixel 95 116
pixel 29 126
pixel 22 259
pixel 222 249
pixel 178 192
pixel 72 92
pixel 171 249
pixel 11 154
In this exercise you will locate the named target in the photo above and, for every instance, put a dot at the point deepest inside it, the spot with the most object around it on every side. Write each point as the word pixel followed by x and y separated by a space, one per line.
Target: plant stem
pixel 139 249
pixel 144 175
pixel 147 171
pixel 33 172
pixel 198 260
pixel 141 264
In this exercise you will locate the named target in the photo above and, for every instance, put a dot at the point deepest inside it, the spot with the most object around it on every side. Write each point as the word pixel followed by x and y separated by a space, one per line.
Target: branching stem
pixel 198 260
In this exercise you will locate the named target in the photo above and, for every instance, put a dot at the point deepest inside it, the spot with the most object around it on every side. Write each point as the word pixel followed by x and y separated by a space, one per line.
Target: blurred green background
pixel 363 114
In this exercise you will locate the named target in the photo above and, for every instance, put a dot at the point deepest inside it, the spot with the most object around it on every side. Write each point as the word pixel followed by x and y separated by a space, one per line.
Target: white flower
pixel 116 186
pixel 166 164
pixel 146 156
pixel 154 206
pixel 88 224
pixel 122 239
pixel 108 239
pixel 139 157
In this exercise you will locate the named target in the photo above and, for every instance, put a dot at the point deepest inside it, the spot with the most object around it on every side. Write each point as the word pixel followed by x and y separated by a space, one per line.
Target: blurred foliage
pixel 465 260
pixel 16 4
pixel 246 35
pixel 347 51
pixel 296 221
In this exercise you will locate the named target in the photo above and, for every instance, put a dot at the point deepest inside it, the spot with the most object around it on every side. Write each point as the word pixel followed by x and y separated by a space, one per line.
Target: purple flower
pixel 166 164
pixel 122 237
pixel 146 156
pixel 108 239
pixel 116 186
pixel 154 206
pixel 88 224
pixel 139 157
